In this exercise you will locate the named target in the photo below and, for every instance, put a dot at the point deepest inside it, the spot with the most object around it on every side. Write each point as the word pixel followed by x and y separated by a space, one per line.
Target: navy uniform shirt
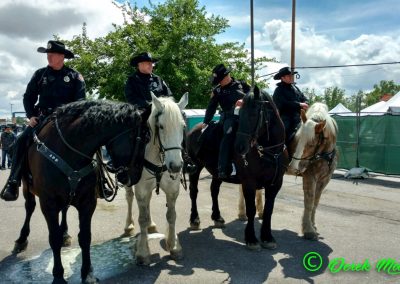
pixel 226 97
pixel 287 98
pixel 53 88
pixel 139 85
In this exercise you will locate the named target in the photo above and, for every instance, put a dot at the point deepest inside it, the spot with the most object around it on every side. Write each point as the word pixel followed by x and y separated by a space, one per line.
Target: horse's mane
pixel 172 114
pixel 97 113
pixel 319 112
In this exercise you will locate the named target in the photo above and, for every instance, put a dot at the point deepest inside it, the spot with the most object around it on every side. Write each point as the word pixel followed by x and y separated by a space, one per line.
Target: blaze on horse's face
pixel 249 122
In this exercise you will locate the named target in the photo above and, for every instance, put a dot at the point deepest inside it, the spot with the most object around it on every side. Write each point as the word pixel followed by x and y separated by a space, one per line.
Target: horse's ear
pixel 156 102
pixel 256 93
pixel 183 102
pixel 320 127
pixel 303 115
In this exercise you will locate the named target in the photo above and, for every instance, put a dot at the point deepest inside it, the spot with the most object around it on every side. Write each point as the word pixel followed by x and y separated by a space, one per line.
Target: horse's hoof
pixel 20 247
pixel 253 246
pixel 152 229
pixel 311 236
pixel 142 260
pixel 195 224
pixel 242 217
pixel 90 279
pixel 269 245
pixel 219 222
pixel 260 215
pixel 67 240
pixel 176 255
pixel 58 280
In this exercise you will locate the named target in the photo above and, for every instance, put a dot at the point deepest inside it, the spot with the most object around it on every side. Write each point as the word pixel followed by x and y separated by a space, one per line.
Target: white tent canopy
pixel 340 110
pixel 381 108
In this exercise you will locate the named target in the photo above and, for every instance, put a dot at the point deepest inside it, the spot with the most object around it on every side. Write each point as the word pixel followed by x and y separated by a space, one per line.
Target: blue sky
pixel 328 32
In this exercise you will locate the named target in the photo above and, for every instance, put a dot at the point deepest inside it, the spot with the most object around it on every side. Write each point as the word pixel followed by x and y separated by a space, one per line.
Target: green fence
pixel 379 143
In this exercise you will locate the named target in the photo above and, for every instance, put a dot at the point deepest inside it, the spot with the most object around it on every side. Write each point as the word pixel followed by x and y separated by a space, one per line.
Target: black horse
pixel 260 158
pixel 61 171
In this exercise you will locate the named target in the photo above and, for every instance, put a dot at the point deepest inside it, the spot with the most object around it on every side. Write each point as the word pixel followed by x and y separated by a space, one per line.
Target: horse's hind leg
pixel 64 228
pixel 219 222
pixel 194 190
pixel 242 208
pixel 22 242
pixel 309 186
pixel 172 240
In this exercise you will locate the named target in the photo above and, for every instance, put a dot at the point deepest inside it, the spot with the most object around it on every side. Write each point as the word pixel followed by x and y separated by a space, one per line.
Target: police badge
pixel 66 79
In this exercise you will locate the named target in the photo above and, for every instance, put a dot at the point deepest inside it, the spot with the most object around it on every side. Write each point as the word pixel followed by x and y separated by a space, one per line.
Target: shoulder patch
pixel 80 78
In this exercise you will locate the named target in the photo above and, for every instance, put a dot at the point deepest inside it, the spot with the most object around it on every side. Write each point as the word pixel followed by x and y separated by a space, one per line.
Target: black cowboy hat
pixel 282 72
pixel 218 73
pixel 54 46
pixel 142 57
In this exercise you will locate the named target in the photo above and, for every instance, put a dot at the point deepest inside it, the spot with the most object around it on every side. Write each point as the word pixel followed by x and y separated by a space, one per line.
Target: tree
pixel 179 33
pixel 384 87
pixel 333 95
pixel 312 97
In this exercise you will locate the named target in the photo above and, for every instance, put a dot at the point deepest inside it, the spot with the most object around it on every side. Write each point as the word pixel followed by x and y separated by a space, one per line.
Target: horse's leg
pixel 64 228
pixel 143 196
pixel 152 227
pixel 55 240
pixel 129 223
pixel 267 240
pixel 318 191
pixel 30 203
pixel 193 189
pixel 309 185
pixel 172 240
pixel 85 237
pixel 219 222
pixel 249 193
pixel 259 203
pixel 241 206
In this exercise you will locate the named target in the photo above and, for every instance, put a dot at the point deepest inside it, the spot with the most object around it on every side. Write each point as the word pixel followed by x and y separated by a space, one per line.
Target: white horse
pixel 162 168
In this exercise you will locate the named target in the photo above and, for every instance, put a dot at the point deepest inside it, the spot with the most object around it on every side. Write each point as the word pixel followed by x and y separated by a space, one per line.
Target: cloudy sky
pixel 328 32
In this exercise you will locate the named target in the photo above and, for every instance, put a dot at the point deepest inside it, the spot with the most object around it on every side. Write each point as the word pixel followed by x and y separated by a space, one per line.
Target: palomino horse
pixel 314 158
pixel 162 169
pixel 260 160
pixel 60 169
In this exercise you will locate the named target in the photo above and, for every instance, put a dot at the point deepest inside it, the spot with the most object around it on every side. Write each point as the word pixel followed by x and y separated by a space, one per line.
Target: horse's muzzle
pixel 174 167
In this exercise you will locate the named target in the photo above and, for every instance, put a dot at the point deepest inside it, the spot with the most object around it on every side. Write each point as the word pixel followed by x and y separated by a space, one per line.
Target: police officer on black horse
pixel 138 88
pixel 226 93
pixel 53 86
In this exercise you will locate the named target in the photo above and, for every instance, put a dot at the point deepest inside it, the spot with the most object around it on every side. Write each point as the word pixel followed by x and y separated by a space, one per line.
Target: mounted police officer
pixel 226 93
pixel 50 87
pixel 289 101
pixel 138 88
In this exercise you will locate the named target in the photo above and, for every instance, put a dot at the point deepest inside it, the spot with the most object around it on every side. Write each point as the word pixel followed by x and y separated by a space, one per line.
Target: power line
pixel 338 66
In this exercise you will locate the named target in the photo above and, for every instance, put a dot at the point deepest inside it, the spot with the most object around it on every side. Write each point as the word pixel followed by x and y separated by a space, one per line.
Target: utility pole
pixel 292 54
pixel 252 42
pixel 11 105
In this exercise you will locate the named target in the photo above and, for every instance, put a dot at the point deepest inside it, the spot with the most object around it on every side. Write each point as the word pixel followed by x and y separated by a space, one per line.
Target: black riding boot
pixel 10 190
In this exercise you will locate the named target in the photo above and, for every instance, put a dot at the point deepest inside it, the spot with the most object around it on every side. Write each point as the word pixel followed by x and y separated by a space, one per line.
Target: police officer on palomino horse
pixel 289 100
pixel 138 88
pixel 53 86
pixel 226 93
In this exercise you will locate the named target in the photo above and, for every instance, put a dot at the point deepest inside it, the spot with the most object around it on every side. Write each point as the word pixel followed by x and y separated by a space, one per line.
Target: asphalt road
pixel 358 224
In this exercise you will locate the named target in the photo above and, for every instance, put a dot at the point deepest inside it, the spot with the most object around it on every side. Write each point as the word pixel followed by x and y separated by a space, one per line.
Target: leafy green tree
pixel 351 101
pixel 177 32
pixel 384 87
pixel 312 96
pixel 333 95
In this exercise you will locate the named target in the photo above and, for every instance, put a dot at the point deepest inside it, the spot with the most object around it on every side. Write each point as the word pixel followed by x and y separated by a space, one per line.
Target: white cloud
pixel 313 49
pixel 27 24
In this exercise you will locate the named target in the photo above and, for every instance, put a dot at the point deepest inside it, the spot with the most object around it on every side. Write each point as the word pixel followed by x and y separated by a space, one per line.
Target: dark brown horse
pixel 61 171
pixel 260 158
